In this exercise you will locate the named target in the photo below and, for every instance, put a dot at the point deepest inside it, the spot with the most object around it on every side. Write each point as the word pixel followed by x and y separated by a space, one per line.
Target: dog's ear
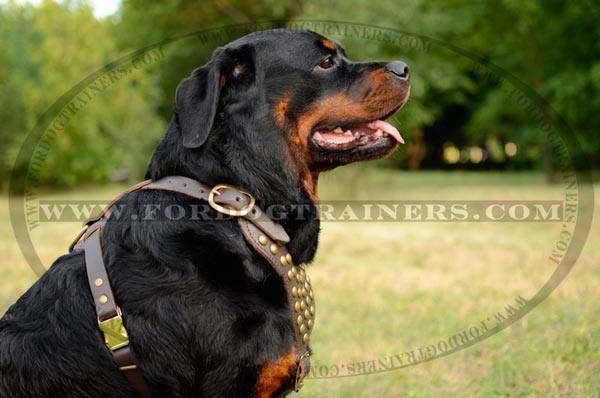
pixel 197 97
pixel 196 102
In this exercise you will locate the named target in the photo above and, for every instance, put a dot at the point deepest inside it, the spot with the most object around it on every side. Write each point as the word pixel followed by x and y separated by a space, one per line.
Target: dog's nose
pixel 399 69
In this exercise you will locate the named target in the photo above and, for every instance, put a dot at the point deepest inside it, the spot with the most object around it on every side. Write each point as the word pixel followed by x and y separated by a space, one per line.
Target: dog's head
pixel 286 103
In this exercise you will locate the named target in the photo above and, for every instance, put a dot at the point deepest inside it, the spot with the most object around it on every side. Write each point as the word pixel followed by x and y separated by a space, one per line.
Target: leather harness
pixel 264 235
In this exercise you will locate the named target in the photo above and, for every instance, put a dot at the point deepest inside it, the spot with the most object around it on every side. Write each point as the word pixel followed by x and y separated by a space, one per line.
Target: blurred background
pixel 471 133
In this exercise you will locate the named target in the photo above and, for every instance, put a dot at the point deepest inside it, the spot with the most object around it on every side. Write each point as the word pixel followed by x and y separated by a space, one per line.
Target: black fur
pixel 203 310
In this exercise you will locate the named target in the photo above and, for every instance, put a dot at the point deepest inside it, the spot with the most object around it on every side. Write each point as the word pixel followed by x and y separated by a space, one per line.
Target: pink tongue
pixel 386 128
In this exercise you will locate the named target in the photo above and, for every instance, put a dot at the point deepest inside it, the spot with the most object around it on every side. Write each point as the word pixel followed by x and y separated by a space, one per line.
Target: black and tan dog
pixel 207 316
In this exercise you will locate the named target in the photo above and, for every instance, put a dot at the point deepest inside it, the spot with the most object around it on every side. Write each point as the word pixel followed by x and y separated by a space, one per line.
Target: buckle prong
pixel 216 191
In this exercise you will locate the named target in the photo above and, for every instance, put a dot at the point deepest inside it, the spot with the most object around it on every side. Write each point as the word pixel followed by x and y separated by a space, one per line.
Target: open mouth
pixel 339 138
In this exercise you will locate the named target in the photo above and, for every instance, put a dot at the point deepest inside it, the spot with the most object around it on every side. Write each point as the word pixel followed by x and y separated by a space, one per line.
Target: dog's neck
pixel 257 169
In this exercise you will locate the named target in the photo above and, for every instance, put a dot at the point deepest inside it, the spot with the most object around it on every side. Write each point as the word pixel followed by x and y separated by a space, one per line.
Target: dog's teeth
pixel 348 132
pixel 330 128
pixel 379 133
pixel 338 130
pixel 357 135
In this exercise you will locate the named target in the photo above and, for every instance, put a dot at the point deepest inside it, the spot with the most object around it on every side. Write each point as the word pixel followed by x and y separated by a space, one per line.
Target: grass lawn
pixel 386 288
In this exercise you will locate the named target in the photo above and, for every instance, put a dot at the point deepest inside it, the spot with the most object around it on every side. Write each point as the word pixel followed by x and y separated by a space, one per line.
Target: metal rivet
pixel 297 306
pixel 309 324
pixel 308 300
pixel 299 320
pixel 312 310
pixel 289 258
pixel 294 270
pixel 262 240
pixel 305 338
pixel 274 248
pixel 312 296
pixel 307 314
pixel 308 278
pixel 290 275
pixel 98 282
pixel 303 292
pixel 283 261
pixel 298 278
pixel 103 299
pixel 303 305
pixel 294 291
pixel 302 328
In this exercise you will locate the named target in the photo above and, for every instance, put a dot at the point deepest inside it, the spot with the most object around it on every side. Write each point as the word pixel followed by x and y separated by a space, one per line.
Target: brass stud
pixel 299 320
pixel 298 278
pixel 305 338
pixel 290 275
pixel 262 240
pixel 312 296
pixel 303 292
pixel 312 310
pixel 297 306
pixel 294 291
pixel 98 282
pixel 288 258
pixel 302 328
pixel 274 249
pixel 283 261
pixel 308 300
pixel 306 314
pixel 308 278
pixel 309 324
pixel 103 299
pixel 302 305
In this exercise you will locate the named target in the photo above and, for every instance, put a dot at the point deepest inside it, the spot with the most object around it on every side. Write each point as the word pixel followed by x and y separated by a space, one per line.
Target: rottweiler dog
pixel 206 315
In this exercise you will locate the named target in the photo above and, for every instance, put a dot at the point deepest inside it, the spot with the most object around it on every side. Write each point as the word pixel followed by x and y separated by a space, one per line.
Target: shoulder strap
pixel 110 320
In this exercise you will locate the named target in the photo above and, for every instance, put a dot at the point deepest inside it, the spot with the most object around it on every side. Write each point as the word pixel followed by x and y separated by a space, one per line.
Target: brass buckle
pixel 216 191
pixel 300 377
pixel 115 334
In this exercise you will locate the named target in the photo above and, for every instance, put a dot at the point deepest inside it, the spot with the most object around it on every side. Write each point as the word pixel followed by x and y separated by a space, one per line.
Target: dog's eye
pixel 327 63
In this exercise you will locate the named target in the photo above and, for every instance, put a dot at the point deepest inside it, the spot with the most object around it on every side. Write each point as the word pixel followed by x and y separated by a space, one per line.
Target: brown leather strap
pixel 109 316
pixel 230 197
pixel 298 289
pixel 267 237
pixel 124 359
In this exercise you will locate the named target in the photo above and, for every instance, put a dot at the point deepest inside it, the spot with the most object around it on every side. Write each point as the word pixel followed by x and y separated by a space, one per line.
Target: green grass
pixel 384 288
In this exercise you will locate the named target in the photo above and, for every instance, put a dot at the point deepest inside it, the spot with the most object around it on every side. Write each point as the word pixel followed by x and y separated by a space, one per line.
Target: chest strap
pixel 264 235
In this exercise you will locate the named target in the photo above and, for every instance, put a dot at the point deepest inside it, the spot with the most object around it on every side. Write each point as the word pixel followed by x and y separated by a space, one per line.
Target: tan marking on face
pixel 328 44
pixel 273 376
pixel 281 109
pixel 222 81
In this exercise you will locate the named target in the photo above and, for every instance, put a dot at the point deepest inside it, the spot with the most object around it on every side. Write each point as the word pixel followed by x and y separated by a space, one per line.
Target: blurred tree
pixel 554 47
pixel 49 48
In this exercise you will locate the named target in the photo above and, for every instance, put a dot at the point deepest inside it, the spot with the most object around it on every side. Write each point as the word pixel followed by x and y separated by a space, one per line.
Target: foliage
pixel 49 49
pixel 551 46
